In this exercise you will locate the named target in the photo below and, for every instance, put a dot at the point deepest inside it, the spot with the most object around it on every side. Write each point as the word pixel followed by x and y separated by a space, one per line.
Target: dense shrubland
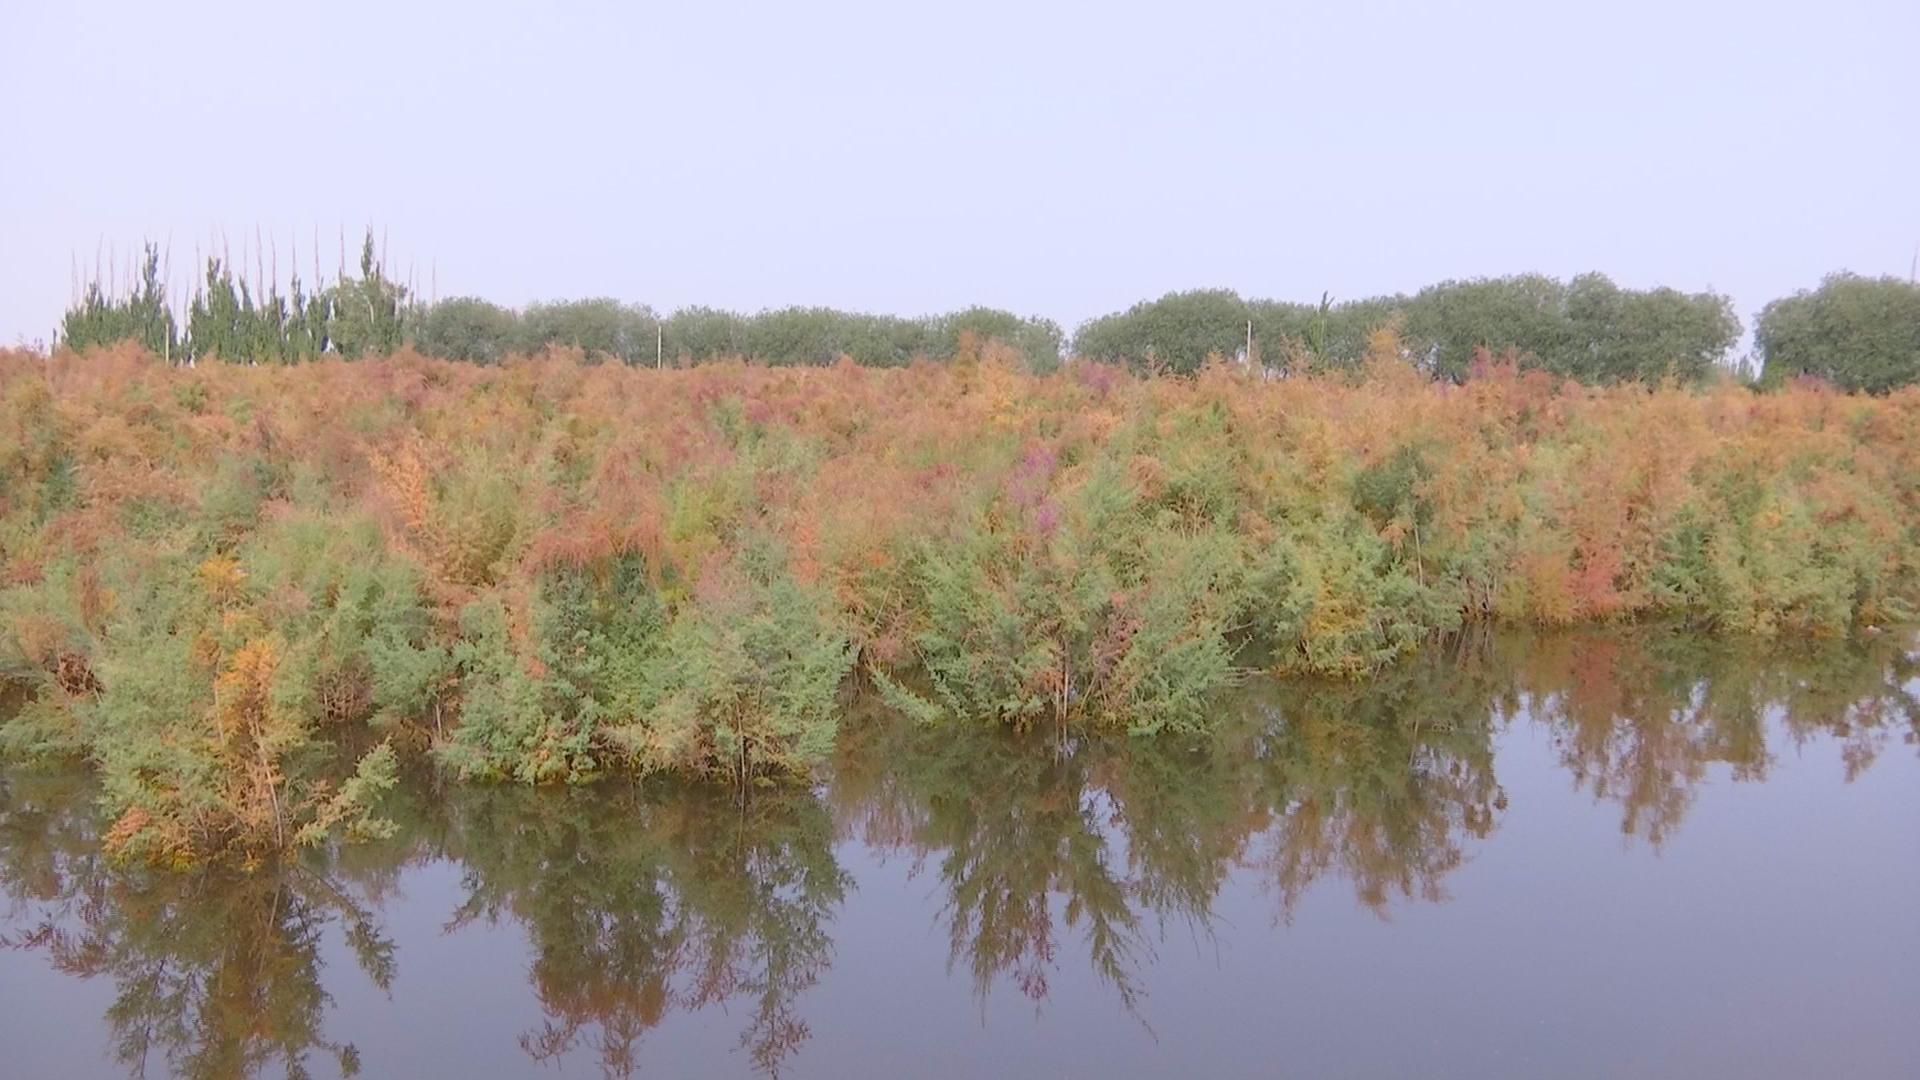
pixel 244 591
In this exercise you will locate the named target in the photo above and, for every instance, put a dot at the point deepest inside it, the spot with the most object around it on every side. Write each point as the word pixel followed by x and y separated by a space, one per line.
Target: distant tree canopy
pixel 143 316
pixel 602 328
pixel 1175 333
pixel 1039 340
pixel 366 311
pixel 1856 332
pixel 1588 328
pixel 817 336
pixel 465 328
pixel 234 319
pixel 230 318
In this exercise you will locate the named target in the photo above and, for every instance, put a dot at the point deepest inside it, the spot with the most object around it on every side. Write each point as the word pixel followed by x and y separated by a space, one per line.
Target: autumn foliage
pixel 214 580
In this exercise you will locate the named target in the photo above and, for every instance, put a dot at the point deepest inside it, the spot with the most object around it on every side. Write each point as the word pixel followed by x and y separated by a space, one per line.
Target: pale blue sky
pixel 1062 160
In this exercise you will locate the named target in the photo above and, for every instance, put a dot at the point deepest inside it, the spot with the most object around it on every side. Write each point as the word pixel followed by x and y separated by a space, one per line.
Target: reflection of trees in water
pixel 217 973
pixel 1016 827
pixel 1037 843
pixel 1639 718
pixel 643 901
pixel 636 902
pixel 1379 783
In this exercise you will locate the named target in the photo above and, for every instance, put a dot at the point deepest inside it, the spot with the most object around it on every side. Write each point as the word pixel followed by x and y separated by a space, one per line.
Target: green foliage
pixel 1455 320
pixel 1338 600
pixel 697 334
pixel 202 694
pixel 224 585
pixel 479 519
pixel 465 328
pixel 748 677
pixel 1037 340
pixel 545 717
pixel 226 321
pixel 1857 333
pixel 507 729
pixel 1629 335
pixel 1175 333
pixel 351 809
pixel 741 679
pixel 816 337
pixel 214 326
pixel 142 316
pixel 599 631
pixel 1323 336
pixel 365 312
pixel 1589 329
pixel 1083 601
pixel 604 329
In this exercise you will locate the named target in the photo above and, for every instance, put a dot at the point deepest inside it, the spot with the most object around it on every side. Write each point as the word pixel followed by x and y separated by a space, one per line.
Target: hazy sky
pixel 1062 160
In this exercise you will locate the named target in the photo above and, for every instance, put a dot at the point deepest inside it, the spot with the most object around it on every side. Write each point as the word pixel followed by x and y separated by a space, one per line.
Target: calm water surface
pixel 1607 855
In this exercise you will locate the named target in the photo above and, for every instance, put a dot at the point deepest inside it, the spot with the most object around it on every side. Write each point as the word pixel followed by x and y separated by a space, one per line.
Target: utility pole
pixel 659 345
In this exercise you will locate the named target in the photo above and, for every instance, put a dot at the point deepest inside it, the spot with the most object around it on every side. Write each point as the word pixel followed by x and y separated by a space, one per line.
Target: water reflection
pixel 216 974
pixel 1638 720
pixel 640 903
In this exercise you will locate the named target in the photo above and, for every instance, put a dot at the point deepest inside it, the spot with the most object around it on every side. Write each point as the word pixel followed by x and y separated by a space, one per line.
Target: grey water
pixel 1618 853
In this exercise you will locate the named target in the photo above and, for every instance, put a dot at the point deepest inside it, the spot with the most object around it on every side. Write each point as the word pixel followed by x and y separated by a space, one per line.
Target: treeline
pixel 1854 332
pixel 1851 331
pixel 469 328
pixel 1858 333
pixel 1589 329
pixel 230 318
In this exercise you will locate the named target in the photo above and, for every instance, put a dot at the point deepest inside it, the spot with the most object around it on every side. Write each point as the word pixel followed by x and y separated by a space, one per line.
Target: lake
pixel 1629 852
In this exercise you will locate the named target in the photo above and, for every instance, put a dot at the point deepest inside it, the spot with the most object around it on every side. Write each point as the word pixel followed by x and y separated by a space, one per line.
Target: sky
pixel 1062 160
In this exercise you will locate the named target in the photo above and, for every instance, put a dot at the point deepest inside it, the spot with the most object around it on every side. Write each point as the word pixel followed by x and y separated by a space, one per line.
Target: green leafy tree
pixel 1327 336
pixel 1037 339
pixel 603 328
pixel 699 334
pixel 1621 335
pixel 1175 333
pixel 465 328
pixel 1856 332
pixel 306 323
pixel 365 312
pixel 213 322
pixel 1452 321
pixel 143 316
